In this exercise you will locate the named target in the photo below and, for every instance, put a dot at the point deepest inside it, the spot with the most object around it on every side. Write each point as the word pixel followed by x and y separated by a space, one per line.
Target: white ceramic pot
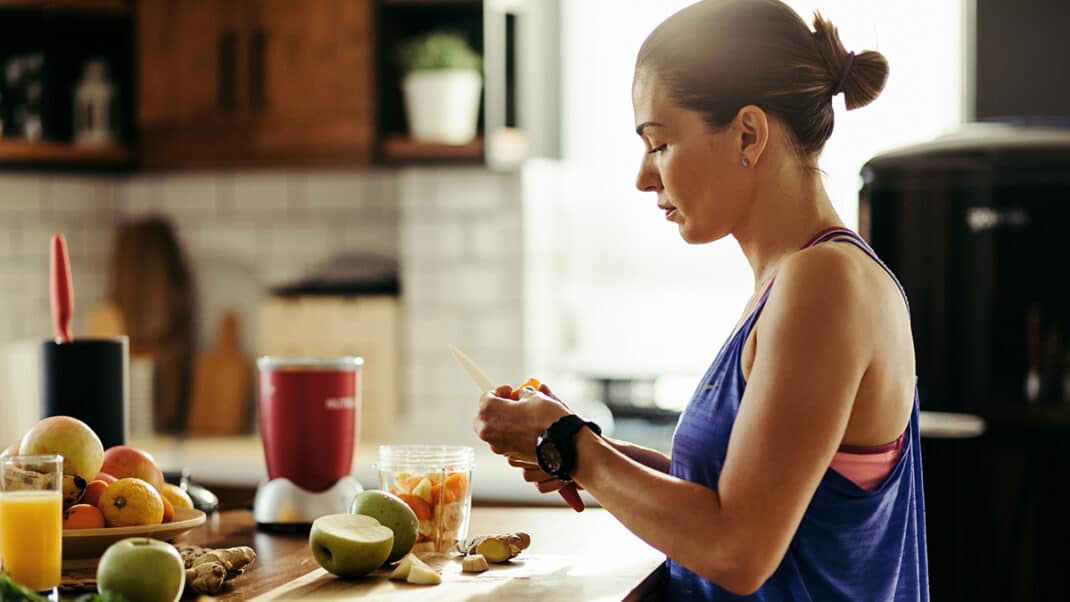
pixel 442 105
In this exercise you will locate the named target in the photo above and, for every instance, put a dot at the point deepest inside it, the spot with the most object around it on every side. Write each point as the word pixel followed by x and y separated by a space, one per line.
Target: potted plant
pixel 441 84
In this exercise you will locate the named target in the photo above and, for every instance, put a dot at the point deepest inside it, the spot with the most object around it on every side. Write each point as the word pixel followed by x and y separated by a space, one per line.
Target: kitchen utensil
pixel 480 378
pixel 221 383
pixel 309 410
pixel 60 291
pixel 88 379
pixel 152 285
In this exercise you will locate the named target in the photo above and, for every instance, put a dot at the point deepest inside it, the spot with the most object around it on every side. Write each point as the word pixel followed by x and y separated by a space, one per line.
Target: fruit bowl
pixel 91 543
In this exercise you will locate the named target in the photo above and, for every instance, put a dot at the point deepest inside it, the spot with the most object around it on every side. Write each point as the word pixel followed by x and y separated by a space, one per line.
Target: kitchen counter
pixel 573 556
pixel 238 462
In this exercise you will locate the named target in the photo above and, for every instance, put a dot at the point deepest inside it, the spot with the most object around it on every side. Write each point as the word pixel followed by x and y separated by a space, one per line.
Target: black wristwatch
pixel 556 446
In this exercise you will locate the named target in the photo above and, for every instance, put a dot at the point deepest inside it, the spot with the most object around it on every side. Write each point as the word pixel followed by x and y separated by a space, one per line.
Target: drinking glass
pixel 31 521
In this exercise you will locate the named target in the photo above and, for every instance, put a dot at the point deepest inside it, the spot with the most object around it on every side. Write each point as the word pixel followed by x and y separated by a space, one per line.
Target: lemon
pixel 129 502
pixel 177 496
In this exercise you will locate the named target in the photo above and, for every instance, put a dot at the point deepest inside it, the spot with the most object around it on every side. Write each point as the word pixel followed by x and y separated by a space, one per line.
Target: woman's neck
pixel 789 207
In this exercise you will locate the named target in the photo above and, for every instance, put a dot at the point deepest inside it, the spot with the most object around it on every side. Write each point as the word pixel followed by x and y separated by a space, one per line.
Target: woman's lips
pixel 670 213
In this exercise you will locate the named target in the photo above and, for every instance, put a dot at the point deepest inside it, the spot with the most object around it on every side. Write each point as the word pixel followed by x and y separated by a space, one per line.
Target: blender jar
pixel 436 482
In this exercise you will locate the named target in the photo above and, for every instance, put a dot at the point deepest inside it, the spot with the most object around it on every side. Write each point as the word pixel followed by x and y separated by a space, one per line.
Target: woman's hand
pixel 546 483
pixel 511 428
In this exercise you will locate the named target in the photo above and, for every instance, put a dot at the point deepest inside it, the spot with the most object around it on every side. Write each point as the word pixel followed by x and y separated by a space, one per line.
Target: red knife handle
pixel 60 290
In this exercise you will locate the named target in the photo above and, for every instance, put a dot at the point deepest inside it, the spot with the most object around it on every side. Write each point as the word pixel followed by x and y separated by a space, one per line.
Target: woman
pixel 795 469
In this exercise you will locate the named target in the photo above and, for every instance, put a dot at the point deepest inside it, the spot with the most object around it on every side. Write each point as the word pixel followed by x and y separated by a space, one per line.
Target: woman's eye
pixel 656 149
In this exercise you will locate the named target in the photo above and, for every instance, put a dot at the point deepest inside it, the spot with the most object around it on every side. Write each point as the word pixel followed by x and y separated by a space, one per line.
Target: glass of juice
pixel 31 521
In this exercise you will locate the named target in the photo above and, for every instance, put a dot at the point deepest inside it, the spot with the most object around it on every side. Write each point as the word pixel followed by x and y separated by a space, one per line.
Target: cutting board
pixel 221 385
pixel 528 577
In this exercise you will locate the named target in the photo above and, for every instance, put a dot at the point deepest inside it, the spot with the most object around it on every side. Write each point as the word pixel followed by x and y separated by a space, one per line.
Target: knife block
pixel 87 379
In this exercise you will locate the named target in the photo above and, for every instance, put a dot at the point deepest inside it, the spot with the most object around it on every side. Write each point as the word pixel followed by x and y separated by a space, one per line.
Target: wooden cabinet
pixel 226 83
pixel 190 104
pixel 314 93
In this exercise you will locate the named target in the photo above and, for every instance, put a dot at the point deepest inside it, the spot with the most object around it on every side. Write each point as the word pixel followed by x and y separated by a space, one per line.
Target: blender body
pixel 309 424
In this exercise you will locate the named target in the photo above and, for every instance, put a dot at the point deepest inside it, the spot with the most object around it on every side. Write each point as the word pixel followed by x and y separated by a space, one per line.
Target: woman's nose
pixel 647 180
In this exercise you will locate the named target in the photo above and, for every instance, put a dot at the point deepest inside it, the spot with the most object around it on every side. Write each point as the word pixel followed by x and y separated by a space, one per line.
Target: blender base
pixel 281 505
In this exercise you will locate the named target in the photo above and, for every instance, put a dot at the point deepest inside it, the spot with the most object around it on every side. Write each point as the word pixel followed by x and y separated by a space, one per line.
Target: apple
pixel 350 545
pixel 142 569
pixel 392 512
pixel 123 461
pixel 69 437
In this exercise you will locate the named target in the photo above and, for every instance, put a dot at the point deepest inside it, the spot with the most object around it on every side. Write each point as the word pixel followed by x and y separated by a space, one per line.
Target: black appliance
pixel 977 227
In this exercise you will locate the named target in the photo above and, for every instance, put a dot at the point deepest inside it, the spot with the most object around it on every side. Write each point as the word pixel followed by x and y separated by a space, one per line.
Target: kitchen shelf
pixel 21 152
pixel 108 7
pixel 404 149
pixel 411 2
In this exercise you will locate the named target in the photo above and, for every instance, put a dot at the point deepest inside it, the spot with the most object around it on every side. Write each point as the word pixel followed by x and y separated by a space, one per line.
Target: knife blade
pixel 478 376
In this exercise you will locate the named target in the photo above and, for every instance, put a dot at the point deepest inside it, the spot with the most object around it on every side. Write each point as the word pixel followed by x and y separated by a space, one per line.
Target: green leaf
pixel 10 591
pixel 438 50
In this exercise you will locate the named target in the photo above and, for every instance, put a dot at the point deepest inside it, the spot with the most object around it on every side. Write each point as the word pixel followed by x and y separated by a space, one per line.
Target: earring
pixel 745 162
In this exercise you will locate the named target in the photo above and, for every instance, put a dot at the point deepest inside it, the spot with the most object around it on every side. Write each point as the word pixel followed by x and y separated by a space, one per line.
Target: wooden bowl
pixel 91 543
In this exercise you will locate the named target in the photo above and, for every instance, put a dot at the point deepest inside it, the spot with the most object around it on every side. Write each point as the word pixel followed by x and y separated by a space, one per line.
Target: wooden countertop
pixel 573 556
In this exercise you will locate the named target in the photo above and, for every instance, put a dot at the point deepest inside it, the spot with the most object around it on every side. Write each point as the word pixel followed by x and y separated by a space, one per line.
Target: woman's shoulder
pixel 826 270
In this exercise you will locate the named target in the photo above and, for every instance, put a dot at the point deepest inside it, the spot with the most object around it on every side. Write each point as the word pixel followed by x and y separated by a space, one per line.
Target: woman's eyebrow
pixel 642 126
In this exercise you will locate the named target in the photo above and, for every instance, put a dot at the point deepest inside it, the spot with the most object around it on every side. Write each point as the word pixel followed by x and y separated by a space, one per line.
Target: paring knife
pixel 476 373
pixel 480 378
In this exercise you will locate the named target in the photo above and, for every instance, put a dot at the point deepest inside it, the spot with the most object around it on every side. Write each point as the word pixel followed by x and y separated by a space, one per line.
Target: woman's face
pixel 695 171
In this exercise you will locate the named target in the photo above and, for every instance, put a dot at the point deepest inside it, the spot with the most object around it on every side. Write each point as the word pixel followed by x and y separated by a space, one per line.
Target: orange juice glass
pixel 31 520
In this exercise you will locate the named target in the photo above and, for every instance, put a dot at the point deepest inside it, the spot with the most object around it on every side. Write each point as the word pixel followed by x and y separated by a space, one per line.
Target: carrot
pixel 455 487
pixel 531 382
pixel 418 505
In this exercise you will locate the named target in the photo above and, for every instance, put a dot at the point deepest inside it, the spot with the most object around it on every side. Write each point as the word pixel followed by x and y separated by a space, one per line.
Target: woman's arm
pixel 810 356
pixel 814 342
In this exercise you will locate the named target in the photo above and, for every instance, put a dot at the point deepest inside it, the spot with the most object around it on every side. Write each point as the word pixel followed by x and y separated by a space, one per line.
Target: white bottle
pixel 92 105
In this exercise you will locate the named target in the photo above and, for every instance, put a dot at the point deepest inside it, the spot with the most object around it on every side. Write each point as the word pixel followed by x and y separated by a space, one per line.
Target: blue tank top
pixel 852 544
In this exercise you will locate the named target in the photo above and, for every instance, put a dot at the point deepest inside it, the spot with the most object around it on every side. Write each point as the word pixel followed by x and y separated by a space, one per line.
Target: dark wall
pixel 1021 59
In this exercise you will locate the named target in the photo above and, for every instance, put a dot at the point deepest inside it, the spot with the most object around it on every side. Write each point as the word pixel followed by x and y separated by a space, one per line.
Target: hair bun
pixel 860 77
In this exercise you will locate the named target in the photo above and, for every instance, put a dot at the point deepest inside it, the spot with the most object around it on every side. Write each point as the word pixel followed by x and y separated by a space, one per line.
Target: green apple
pixel 350 545
pixel 392 512
pixel 69 437
pixel 142 570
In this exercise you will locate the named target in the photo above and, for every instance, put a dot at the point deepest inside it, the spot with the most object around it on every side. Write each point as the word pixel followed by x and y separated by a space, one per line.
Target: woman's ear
pixel 753 124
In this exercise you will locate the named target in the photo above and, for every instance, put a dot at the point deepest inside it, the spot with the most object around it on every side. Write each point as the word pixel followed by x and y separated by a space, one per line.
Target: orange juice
pixel 31 537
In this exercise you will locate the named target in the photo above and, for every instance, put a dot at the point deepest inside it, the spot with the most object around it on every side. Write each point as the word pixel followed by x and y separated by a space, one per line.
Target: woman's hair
pixel 717 56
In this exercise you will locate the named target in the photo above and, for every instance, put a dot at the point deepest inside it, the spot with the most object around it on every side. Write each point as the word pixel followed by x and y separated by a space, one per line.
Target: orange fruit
pixel 168 510
pixel 107 478
pixel 531 382
pixel 83 516
pixel 129 502
pixel 177 496
pixel 93 491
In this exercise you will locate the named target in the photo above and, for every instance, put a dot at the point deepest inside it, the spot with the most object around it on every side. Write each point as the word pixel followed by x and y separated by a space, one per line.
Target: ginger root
pixel 496 548
pixel 474 563
pixel 208 568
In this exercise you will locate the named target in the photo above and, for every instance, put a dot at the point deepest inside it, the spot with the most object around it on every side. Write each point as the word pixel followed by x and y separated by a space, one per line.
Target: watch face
pixel 549 455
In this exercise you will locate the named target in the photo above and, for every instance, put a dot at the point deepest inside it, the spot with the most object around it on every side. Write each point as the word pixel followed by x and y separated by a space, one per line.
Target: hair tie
pixel 846 71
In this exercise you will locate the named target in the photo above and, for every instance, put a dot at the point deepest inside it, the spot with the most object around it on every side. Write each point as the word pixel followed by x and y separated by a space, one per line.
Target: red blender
pixel 309 410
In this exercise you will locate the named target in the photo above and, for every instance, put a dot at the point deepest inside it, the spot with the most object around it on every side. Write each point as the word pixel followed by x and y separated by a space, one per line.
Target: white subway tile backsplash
pixel 338 192
pixel 303 240
pixel 193 195
pixel 34 240
pixel 261 193
pixel 22 195
pixel 455 231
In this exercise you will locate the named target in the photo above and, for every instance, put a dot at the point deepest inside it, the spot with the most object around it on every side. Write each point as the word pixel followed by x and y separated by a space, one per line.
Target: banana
pixel 73 490
pixel 17 479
